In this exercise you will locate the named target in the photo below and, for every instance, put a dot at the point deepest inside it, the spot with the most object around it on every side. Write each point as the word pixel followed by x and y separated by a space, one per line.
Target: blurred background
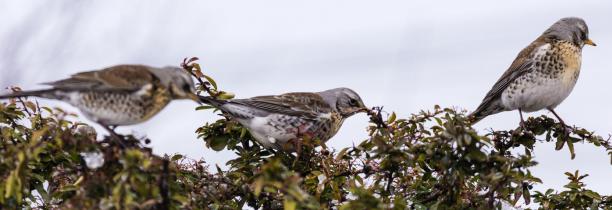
pixel 407 56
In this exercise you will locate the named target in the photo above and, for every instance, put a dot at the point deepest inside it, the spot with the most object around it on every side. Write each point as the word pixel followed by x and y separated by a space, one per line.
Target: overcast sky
pixel 404 55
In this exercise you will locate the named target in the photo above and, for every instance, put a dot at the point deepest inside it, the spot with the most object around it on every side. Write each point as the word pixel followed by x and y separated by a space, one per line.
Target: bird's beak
pixel 590 42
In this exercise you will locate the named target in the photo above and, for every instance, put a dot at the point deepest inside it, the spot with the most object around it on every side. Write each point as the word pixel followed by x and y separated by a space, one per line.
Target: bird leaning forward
pixel 119 95
pixel 281 122
pixel 542 75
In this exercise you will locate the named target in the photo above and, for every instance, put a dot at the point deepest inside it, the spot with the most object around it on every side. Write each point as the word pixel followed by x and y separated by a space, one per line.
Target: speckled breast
pixel 555 70
pixel 326 128
pixel 121 107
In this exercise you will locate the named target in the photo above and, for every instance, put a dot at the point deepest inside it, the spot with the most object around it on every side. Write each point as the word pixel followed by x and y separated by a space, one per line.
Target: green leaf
pixel 526 195
pixel 211 80
pixel 341 154
pixel 570 145
pixel 258 186
pixel 477 155
pixel 559 144
pixel 218 143
pixel 176 157
pixel 289 204
pixel 243 132
pixel 225 95
pixel 391 118
pixel 592 195
pixel 180 198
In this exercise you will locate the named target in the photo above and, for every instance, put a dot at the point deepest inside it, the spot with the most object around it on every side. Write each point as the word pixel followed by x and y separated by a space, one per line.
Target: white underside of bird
pixel 107 114
pixel 269 129
pixel 264 130
pixel 542 94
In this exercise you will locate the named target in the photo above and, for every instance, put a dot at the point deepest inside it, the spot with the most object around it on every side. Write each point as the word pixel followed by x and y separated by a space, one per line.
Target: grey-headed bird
pixel 119 95
pixel 542 75
pixel 282 121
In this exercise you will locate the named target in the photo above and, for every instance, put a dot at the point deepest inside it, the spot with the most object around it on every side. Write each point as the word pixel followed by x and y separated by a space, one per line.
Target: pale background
pixel 404 55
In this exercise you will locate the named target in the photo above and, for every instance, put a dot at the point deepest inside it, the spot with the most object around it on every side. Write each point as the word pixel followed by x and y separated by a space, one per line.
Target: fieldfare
pixel 281 122
pixel 119 95
pixel 542 75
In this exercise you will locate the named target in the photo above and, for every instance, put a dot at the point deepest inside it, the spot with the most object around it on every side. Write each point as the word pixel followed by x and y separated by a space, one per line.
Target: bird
pixel 119 95
pixel 281 122
pixel 542 75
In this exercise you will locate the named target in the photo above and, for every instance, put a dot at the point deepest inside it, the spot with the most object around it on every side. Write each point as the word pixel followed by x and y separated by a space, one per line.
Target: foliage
pixel 575 197
pixel 430 160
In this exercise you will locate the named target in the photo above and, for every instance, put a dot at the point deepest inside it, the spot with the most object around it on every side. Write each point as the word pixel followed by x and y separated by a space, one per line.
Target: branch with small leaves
pixel 205 82
pixel 429 160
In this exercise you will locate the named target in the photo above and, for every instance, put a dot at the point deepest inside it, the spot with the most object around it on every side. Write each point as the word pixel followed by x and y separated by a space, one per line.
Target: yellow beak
pixel 365 109
pixel 590 42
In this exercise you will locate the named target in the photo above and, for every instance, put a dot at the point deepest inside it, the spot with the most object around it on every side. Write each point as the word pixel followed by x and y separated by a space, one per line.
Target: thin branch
pixel 163 185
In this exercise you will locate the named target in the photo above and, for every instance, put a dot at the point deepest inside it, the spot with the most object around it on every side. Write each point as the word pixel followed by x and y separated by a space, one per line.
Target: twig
pixel 188 66
pixel 389 182
pixel 163 186
pixel 491 194
pixel 25 108
pixel 376 117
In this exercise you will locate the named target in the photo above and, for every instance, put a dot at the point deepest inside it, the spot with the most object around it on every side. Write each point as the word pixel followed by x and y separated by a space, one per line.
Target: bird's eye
pixel 353 102
pixel 186 88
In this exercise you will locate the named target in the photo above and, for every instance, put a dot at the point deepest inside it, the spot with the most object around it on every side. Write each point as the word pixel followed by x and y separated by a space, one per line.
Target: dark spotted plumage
pixel 120 95
pixel 119 107
pixel 542 75
pixel 279 121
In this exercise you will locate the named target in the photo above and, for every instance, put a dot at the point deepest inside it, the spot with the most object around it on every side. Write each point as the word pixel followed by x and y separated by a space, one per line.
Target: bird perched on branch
pixel 542 75
pixel 119 95
pixel 282 121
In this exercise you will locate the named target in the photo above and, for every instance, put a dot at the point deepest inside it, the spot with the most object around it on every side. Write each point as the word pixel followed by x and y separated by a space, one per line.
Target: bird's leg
pixel 298 148
pixel 522 120
pixel 565 127
pixel 558 118
pixel 298 142
pixel 116 137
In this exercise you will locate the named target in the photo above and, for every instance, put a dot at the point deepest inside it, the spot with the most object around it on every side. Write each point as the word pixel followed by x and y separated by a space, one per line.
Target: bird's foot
pixel 523 129
pixel 567 130
pixel 114 137
pixel 118 140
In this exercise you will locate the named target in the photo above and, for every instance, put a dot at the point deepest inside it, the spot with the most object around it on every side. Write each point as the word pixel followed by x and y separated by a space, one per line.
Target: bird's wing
pixel 307 105
pixel 121 77
pixel 521 65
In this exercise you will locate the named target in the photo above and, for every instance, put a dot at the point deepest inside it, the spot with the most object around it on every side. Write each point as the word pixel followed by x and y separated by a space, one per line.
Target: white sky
pixel 404 55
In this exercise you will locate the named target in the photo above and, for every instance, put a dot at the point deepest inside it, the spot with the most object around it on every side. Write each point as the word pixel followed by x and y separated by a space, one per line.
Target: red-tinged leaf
pixel 197 67
pixel 31 106
pixel 192 59
pixel 198 73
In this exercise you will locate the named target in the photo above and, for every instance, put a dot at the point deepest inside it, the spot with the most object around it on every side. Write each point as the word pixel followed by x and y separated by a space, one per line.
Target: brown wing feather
pixel 521 65
pixel 308 105
pixel 121 77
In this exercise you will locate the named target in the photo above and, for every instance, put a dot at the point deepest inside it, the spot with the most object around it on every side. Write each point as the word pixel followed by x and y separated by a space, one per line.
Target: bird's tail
pixel 476 116
pixel 484 110
pixel 36 93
